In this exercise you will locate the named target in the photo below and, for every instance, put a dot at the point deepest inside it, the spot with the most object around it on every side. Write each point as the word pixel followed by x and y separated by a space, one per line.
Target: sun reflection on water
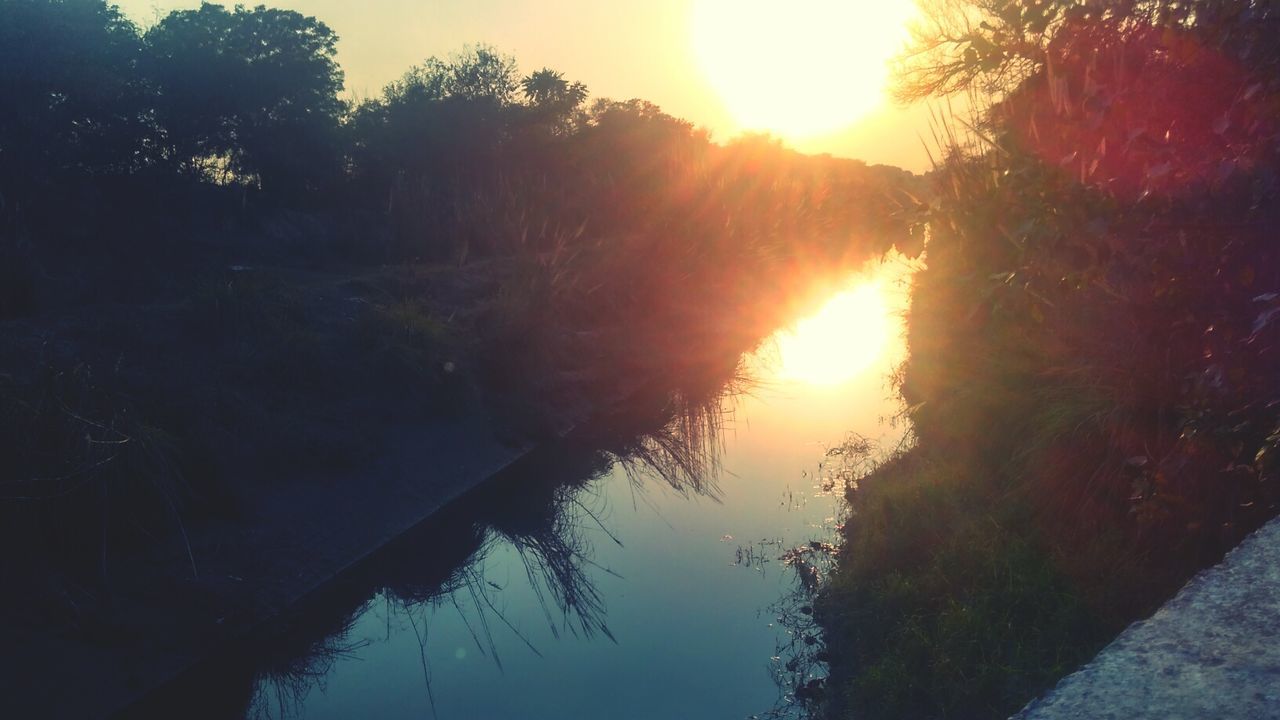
pixel 855 331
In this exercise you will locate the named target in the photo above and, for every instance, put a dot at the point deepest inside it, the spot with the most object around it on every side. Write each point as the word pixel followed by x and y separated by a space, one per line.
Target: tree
pixel 432 145
pixel 256 89
pixel 639 132
pixel 476 73
pixel 71 101
pixel 554 103
pixel 442 120
pixel 992 46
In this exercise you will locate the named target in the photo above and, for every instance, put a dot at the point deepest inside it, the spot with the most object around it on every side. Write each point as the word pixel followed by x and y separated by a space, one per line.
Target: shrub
pixel 82 467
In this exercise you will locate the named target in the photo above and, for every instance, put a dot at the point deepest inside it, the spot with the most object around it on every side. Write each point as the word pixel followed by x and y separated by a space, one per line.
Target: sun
pixel 844 338
pixel 802 68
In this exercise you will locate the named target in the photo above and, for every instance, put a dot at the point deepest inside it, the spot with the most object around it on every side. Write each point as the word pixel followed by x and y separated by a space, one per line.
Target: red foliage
pixel 1137 110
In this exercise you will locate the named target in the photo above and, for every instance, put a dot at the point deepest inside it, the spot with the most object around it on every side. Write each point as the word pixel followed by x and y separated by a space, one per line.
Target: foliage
pixel 282 281
pixel 404 341
pixel 73 100
pixel 994 46
pixel 431 144
pixel 1091 345
pixel 248 97
pixel 555 103
pixel 78 454
pixel 1124 271
pixel 959 616
pixel 254 87
pixel 477 73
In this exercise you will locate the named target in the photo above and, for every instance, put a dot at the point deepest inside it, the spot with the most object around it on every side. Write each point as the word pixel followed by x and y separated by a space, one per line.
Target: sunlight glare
pixel 843 339
pixel 801 68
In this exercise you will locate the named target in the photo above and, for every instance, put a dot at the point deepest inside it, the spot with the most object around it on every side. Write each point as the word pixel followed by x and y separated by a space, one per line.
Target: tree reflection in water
pixel 539 506
pixel 532 508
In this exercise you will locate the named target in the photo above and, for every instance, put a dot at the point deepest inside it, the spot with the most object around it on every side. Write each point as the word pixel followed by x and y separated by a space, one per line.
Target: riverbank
pixel 570 562
pixel 1091 377
pixel 300 483
pixel 946 602
pixel 231 326
pixel 1064 483
pixel 296 484
pixel 195 467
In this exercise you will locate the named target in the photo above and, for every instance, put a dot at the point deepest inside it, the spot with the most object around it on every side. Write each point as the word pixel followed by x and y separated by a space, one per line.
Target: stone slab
pixel 1213 651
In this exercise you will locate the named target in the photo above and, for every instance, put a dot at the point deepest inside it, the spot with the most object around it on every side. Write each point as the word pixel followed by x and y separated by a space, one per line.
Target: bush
pixel 1091 374
pixel 944 604
pixel 82 466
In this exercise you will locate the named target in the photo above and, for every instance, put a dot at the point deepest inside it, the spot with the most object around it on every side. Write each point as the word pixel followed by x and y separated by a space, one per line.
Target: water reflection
pixel 842 339
pixel 536 523
pixel 609 575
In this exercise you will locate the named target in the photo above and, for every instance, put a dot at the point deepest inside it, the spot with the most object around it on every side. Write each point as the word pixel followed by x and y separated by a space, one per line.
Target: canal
pixel 604 588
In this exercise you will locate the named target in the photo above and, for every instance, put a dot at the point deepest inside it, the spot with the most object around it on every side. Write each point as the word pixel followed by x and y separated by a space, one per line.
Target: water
pixel 617 595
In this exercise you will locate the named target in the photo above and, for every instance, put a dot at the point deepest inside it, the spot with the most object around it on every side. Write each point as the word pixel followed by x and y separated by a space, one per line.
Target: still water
pixel 632 598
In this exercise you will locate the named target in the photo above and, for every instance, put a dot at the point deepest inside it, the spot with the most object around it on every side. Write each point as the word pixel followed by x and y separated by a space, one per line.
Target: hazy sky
pixel 809 68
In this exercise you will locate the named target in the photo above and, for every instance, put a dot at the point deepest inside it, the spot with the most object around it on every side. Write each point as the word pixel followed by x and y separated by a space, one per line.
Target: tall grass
pixel 78 455
pixel 944 603
pixel 1090 382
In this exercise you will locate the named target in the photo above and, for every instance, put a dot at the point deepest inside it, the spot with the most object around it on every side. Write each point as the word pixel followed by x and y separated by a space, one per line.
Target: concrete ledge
pixel 1213 651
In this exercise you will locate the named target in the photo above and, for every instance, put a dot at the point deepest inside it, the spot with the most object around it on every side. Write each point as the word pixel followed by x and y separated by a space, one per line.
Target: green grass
pixel 945 604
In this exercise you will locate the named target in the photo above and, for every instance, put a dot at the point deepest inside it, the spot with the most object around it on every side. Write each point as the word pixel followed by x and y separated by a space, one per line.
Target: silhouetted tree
pixel 637 147
pixel 251 91
pixel 992 46
pixel 434 116
pixel 71 101
pixel 478 73
pixel 554 103
pixel 432 144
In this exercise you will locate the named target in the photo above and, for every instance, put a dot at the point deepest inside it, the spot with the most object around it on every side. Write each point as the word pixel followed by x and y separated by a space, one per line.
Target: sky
pixel 808 71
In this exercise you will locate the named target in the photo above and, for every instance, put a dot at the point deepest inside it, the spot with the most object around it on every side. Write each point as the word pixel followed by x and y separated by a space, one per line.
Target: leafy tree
pixel 71 101
pixel 482 73
pixel 638 136
pixel 477 73
pixel 438 120
pixel 1101 275
pixel 254 88
pixel 554 102
pixel 994 45
pixel 432 144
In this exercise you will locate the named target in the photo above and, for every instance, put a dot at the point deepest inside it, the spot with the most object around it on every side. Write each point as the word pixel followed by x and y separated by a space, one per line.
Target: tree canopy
pixel 257 88
pixel 73 102
pixel 991 46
